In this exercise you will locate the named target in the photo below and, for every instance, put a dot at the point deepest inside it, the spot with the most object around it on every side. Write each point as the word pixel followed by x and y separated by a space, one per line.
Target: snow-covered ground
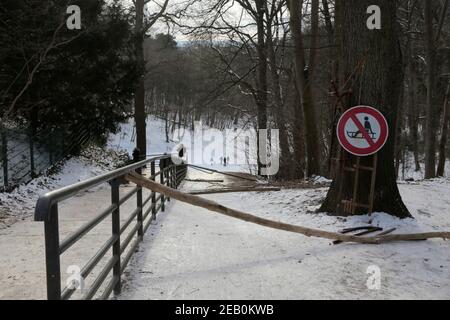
pixel 195 254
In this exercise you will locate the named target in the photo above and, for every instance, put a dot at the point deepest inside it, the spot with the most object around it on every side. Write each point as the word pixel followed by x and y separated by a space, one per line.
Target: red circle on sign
pixel 351 115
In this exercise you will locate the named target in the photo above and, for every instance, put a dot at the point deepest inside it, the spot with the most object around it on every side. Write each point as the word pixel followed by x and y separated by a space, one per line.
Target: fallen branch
pixel 233 190
pixel 309 232
pixel 363 233
pixel 388 232
pixel 202 180
pixel 220 172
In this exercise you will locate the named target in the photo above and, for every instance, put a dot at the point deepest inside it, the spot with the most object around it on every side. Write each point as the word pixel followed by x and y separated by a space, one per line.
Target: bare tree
pixel 432 37
pixel 431 111
pixel 444 134
pixel 142 26
pixel 303 76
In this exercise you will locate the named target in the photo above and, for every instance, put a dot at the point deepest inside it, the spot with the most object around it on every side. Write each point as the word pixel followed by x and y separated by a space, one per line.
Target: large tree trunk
pixel 139 96
pixel 379 84
pixel 304 85
pixel 431 112
pixel 444 134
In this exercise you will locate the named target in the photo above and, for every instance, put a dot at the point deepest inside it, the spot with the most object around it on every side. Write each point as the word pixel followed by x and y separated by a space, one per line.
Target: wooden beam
pixel 233 190
pixel 309 232
pixel 203 180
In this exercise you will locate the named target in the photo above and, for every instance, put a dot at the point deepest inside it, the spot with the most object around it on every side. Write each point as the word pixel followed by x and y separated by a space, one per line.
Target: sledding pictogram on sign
pixel 362 131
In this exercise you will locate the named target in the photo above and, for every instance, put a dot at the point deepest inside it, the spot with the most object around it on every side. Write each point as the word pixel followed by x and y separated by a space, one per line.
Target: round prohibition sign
pixel 362 131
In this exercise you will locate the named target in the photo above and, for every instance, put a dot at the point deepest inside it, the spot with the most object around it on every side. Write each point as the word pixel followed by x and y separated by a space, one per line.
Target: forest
pixel 121 122
pixel 293 65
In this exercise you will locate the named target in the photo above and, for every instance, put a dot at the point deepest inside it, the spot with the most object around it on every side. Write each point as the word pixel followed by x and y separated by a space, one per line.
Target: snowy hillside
pixel 125 140
pixel 203 153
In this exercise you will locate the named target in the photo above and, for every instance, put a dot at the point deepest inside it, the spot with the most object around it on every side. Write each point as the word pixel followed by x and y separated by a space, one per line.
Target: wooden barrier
pixel 309 232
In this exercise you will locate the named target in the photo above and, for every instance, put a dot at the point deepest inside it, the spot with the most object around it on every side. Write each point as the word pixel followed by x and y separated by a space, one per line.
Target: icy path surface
pixel 195 254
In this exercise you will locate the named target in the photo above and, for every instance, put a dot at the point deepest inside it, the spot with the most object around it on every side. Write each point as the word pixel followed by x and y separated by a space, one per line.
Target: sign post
pixel 362 131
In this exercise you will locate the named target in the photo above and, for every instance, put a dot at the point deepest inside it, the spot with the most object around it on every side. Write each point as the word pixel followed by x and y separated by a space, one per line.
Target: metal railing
pixel 146 210
pixel 25 153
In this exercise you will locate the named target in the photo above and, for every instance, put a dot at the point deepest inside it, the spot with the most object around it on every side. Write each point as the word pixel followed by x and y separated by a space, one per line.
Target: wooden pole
pixel 309 232
pixel 233 190
pixel 373 183
pixel 204 180
pixel 356 185
pixel 220 172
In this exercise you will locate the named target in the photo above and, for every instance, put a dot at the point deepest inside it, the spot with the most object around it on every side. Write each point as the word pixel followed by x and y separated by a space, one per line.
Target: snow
pixel 156 144
pixel 216 257
pixel 191 253
pixel 407 170
pixel 320 180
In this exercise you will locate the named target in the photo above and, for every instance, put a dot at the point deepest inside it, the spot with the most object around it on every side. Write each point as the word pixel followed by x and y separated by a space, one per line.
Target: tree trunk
pixel 139 96
pixel 399 142
pixel 279 112
pixel 328 22
pixel 304 85
pixel 413 110
pixel 413 115
pixel 444 134
pixel 167 125
pixel 299 136
pixel 431 112
pixel 378 85
pixel 262 79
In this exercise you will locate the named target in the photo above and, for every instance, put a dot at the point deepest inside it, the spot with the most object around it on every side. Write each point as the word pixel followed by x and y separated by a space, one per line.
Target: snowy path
pixel 194 254
pixel 22 272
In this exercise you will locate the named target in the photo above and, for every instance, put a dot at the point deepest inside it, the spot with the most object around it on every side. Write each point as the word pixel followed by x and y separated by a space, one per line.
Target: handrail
pixel 46 211
pixel 46 201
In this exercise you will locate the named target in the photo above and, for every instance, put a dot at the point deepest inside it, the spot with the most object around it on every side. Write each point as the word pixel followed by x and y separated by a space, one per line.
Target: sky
pixel 197 13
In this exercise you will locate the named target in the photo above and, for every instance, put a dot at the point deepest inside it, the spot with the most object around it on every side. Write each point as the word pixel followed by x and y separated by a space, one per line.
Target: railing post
pixel 152 173
pixel 162 164
pixel 168 175
pixel 173 174
pixel 174 177
pixel 52 256
pixel 4 156
pixel 140 220
pixel 115 198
